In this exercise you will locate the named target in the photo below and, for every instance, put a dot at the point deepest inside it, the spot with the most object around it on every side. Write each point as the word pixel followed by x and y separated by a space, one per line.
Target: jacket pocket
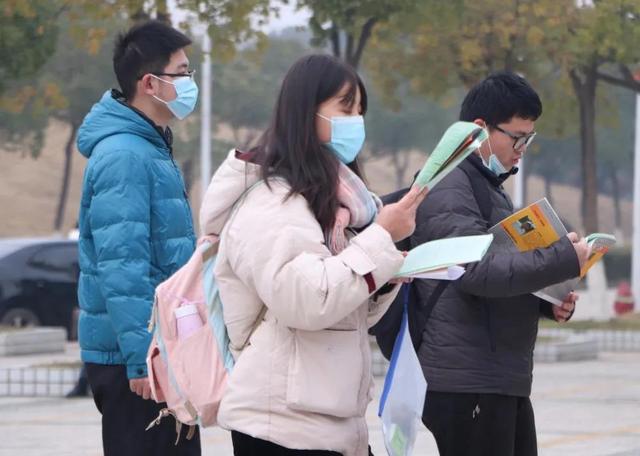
pixel 325 372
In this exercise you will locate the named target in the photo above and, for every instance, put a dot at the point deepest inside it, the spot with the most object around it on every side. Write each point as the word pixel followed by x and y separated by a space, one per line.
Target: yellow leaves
pixel 470 54
pixel 95 38
pixel 535 36
pixel 15 102
pixel 48 96
pixel 89 38
pixel 18 8
pixel 53 96
pixel 538 8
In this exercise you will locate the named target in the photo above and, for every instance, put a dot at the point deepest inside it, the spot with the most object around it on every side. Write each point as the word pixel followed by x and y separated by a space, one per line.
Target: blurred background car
pixel 39 282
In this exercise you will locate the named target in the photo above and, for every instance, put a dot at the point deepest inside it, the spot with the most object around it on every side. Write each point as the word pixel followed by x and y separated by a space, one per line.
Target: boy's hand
pixel 141 387
pixel 563 312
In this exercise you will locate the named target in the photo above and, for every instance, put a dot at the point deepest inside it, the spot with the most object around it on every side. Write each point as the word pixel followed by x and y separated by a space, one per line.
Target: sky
pixel 288 17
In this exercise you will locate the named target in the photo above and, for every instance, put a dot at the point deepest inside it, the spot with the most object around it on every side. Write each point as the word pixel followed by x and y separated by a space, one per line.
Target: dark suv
pixel 39 282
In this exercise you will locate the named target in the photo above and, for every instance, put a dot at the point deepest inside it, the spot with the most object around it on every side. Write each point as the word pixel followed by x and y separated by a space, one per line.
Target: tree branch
pixel 348 51
pixel 365 34
pixel 627 82
pixel 334 35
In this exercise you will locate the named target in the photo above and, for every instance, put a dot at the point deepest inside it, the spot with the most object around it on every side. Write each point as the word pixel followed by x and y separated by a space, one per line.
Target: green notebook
pixel 443 253
pixel 456 144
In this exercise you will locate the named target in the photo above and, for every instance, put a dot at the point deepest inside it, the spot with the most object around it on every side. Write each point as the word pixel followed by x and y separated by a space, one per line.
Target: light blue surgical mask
pixel 186 96
pixel 494 165
pixel 347 136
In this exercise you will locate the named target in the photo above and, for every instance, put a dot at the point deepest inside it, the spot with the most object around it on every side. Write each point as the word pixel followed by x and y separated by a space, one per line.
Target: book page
pixel 443 253
pixel 450 273
pixel 457 142
pixel 600 244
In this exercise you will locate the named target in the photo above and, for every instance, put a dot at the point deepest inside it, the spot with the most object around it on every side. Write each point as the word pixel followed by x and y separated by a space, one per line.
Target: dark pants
pixel 481 424
pixel 245 445
pixel 125 416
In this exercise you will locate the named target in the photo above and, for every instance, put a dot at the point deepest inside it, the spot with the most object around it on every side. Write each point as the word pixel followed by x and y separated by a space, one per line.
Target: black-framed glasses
pixel 518 140
pixel 187 74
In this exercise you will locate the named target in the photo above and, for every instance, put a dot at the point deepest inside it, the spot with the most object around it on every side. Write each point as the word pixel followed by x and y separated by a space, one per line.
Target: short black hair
pixel 499 98
pixel 145 48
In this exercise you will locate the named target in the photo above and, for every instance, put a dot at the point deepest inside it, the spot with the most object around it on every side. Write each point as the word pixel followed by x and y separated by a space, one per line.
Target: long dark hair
pixel 290 147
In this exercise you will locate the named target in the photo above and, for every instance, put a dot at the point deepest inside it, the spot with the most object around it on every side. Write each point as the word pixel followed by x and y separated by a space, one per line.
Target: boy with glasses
pixel 477 346
pixel 135 231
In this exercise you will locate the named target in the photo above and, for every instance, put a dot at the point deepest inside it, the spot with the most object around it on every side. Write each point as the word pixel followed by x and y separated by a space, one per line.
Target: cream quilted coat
pixel 303 380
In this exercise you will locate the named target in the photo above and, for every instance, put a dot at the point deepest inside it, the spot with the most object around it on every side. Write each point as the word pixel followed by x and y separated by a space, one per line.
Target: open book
pixel 460 139
pixel 442 259
pixel 538 226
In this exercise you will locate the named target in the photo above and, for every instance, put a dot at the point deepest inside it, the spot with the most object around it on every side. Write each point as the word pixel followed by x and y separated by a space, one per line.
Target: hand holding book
pixel 399 219
pixel 538 226
pixel 583 249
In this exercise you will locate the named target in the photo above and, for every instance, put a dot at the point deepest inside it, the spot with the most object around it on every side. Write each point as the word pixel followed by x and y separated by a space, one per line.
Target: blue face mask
pixel 186 97
pixel 494 164
pixel 347 137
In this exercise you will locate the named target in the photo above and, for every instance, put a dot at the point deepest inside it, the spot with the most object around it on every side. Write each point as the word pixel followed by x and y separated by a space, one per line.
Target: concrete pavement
pixel 582 408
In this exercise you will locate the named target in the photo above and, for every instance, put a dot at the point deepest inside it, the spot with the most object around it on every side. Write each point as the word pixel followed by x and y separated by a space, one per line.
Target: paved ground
pixel 583 408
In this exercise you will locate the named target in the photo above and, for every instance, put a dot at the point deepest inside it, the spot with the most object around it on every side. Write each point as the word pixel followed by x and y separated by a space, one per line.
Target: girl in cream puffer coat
pixel 304 251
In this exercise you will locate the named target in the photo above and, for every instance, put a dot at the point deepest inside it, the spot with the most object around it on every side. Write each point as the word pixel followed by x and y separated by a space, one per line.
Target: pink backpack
pixel 190 374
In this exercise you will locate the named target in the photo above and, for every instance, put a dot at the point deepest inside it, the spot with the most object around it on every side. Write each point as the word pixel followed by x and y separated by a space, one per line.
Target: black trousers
pixel 481 424
pixel 125 416
pixel 245 445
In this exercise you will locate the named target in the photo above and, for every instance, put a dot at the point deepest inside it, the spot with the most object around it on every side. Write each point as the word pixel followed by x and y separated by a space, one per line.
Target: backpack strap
pixel 256 323
pixel 480 191
pixel 482 195
pixel 433 298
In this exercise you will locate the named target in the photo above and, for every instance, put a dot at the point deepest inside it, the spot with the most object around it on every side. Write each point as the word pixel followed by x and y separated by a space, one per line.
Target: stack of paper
pixel 444 257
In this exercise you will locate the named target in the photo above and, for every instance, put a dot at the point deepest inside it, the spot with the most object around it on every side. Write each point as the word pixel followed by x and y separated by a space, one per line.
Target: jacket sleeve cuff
pixel 372 252
pixel 567 263
pixel 136 371
pixel 546 310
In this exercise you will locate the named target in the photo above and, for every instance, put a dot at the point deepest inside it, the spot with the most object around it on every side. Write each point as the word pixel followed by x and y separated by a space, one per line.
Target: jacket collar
pixel 166 134
pixel 497 181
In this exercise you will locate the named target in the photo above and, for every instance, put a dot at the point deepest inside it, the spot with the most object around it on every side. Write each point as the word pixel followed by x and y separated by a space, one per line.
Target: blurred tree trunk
pixel 617 211
pixel 584 82
pixel 66 175
pixel 400 162
pixel 162 12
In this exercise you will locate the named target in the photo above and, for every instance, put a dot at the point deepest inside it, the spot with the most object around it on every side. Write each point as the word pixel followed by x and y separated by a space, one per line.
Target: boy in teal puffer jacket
pixel 135 231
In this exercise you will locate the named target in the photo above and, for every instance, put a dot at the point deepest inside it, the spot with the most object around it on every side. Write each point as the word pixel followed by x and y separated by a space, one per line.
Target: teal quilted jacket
pixel 135 231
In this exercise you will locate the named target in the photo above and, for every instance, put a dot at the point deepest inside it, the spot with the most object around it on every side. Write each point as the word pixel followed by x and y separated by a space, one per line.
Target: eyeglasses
pixel 188 74
pixel 518 140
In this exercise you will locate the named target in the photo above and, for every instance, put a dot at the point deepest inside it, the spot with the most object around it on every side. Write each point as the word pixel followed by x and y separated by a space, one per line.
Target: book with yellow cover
pixel 538 226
